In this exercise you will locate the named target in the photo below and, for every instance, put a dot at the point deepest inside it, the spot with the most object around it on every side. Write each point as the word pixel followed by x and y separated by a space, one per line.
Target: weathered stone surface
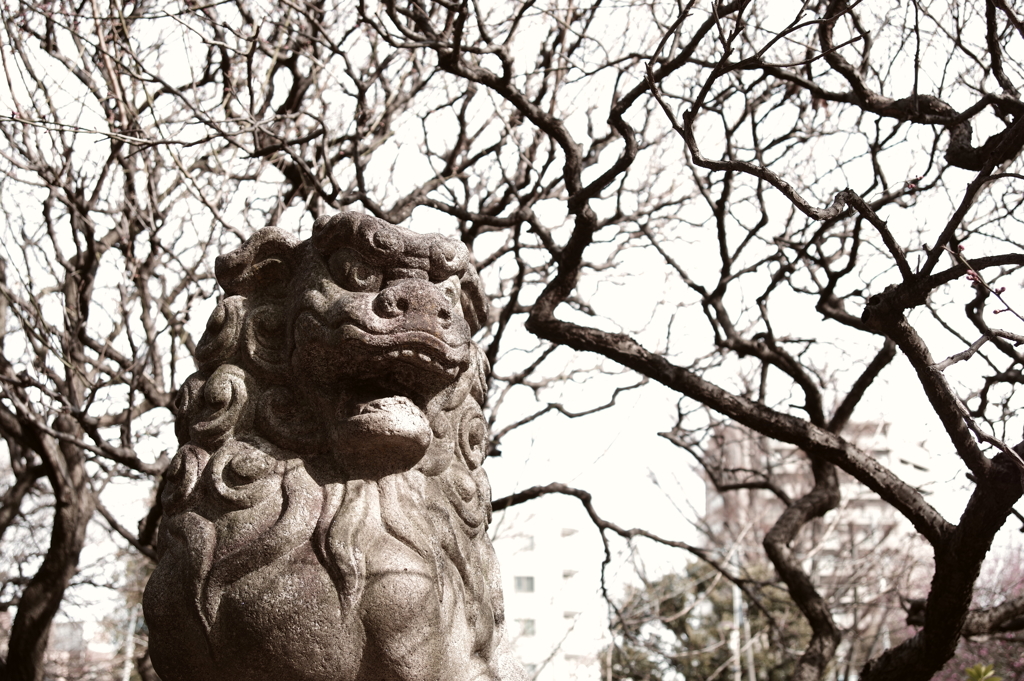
pixel 325 516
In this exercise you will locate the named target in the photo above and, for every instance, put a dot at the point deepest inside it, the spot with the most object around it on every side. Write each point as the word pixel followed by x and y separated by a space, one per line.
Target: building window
pixel 524 585
pixel 527 627
pixel 568 574
pixel 530 669
pixel 569 531
pixel 526 542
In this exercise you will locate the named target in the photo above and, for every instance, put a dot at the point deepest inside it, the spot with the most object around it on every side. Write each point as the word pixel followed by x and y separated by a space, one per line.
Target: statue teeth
pixel 409 353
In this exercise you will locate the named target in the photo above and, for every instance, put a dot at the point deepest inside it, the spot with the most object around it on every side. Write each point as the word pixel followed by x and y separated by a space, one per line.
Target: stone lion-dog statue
pixel 325 516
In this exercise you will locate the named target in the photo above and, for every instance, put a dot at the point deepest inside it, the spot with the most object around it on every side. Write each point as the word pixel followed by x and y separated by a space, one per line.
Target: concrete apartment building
pixel 557 620
pixel 861 556
pixel 77 651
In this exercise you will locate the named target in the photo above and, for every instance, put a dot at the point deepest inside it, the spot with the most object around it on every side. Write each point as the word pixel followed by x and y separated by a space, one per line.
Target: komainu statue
pixel 325 515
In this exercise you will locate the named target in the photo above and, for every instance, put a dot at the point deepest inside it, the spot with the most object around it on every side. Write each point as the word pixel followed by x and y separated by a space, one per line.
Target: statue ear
pixel 475 303
pixel 264 263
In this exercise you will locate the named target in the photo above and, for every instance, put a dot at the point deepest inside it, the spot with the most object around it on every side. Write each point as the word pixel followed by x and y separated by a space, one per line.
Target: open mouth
pixel 410 372
pixel 413 349
pixel 412 363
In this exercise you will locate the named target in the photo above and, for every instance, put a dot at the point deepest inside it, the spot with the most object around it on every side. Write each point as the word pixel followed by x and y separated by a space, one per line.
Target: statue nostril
pixel 389 304
pixel 444 314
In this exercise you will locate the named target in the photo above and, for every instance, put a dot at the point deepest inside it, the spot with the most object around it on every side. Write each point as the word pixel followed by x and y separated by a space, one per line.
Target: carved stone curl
pixel 325 516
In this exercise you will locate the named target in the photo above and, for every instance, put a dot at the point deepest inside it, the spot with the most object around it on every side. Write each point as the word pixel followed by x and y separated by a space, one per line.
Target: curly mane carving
pixel 325 515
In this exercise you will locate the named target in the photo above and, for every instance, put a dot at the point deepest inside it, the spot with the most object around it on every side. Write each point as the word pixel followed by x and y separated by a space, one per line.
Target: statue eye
pixel 353 273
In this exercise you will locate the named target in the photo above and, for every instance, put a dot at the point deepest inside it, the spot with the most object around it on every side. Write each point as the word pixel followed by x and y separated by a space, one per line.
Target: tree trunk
pixel 42 597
